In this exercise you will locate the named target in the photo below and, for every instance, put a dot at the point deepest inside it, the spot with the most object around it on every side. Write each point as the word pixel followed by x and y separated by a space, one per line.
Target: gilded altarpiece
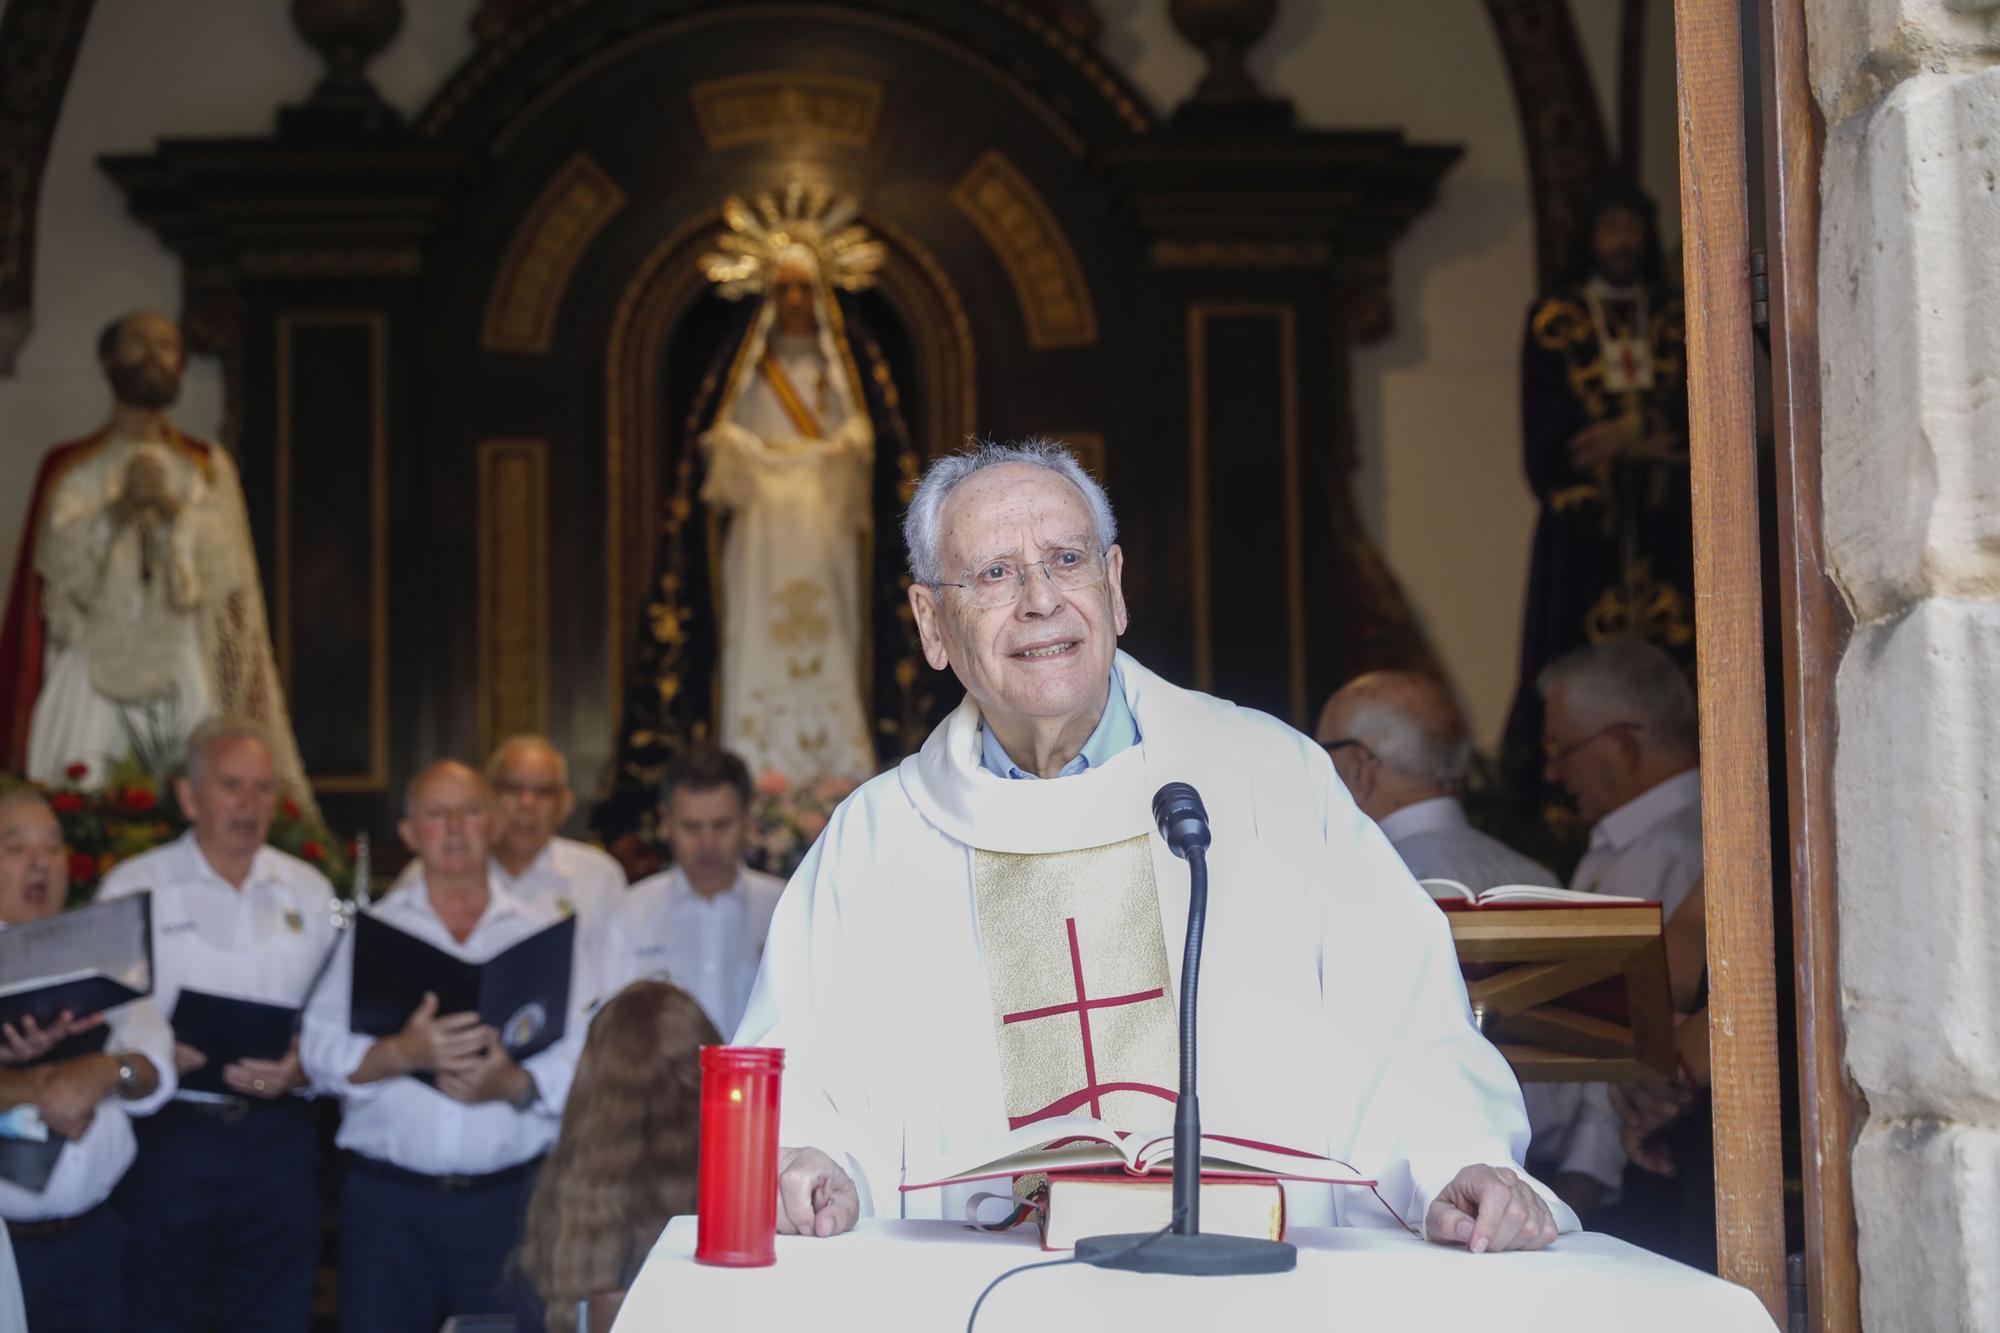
pixel 1176 295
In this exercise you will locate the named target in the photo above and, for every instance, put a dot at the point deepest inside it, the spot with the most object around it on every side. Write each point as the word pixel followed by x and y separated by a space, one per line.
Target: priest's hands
pixel 1490 1208
pixel 815 1196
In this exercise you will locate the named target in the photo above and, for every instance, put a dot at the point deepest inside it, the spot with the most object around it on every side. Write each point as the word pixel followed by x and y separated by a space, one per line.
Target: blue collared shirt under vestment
pixel 1116 730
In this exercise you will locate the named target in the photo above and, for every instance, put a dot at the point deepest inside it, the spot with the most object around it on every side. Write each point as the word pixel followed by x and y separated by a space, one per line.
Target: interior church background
pixel 455 280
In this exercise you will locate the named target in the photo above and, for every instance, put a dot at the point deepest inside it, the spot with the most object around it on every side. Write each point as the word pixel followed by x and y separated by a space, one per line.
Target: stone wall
pixel 1910 351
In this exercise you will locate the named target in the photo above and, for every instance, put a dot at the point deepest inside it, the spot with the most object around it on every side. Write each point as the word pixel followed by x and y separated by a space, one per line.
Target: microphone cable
pixel 1133 1248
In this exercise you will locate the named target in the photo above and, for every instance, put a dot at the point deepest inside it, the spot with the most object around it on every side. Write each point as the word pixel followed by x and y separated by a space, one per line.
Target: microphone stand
pixel 1184 1249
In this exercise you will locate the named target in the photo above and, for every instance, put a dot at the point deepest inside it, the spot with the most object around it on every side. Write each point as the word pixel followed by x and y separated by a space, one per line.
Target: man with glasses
pixel 1620 738
pixel 1399 744
pixel 531 800
pixel 980 939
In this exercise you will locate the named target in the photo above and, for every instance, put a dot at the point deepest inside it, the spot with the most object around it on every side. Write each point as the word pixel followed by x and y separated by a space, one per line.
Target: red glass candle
pixel 737 1205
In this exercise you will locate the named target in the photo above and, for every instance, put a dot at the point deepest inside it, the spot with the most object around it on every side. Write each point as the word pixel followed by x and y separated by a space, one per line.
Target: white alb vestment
pixel 1333 1016
pixel 797 502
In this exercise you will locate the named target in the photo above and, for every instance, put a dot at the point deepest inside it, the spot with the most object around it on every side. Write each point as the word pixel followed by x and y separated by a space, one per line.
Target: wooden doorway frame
pixel 1711 86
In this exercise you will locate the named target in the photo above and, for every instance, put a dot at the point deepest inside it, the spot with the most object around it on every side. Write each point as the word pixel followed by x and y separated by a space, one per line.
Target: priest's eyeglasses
pixel 999 583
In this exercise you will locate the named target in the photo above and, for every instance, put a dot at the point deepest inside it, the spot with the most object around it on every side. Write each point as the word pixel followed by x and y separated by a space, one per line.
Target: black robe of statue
pixel 670 680
pixel 1608 562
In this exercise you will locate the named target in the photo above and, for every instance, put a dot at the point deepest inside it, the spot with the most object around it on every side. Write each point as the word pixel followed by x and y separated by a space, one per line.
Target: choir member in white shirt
pixel 700 925
pixel 532 798
pixel 1400 746
pixel 1619 733
pixel 223 1202
pixel 438 1177
pixel 68 1242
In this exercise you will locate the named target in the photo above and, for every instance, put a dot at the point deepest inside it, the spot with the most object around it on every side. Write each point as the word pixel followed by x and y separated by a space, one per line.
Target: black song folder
pixel 86 961
pixel 522 991
pixel 227 1030
pixel 29 1162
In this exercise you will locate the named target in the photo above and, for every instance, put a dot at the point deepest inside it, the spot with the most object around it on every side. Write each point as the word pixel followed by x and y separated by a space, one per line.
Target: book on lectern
pixel 522 992
pixel 1073 1143
pixel 1456 897
pixel 1072 1207
pixel 83 962
pixel 226 1029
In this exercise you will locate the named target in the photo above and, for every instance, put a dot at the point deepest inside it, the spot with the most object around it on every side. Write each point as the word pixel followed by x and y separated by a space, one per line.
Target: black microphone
pixel 1183 822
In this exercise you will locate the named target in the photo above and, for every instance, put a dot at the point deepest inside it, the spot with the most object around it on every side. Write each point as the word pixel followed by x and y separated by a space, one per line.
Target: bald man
pixel 438 1173
pixel 1399 744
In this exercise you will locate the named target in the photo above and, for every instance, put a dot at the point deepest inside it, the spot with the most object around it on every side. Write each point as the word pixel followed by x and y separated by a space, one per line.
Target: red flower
pixel 66 802
pixel 82 866
pixel 139 800
pixel 77 771
pixel 313 851
pixel 291 809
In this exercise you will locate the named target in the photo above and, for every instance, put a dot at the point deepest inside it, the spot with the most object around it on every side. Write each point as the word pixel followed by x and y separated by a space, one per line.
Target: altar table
pixel 923 1277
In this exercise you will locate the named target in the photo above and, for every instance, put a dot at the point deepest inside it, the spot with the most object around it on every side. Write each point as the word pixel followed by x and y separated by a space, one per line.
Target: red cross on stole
pixel 1076 964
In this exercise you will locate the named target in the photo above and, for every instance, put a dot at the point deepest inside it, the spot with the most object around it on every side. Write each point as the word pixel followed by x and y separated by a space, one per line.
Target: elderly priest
pixel 988 935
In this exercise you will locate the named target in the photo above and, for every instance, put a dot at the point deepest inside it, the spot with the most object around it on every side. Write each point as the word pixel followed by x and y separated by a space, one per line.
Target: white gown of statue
pixel 791 600
pixel 124 606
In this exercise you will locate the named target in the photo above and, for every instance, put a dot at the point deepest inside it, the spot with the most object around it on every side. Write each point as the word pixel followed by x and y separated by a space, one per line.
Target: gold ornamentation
pixel 1644 609
pixel 1076 967
pixel 786 106
pixel 745 258
pixel 799 620
pixel 1011 214
pixel 513 614
pixel 528 291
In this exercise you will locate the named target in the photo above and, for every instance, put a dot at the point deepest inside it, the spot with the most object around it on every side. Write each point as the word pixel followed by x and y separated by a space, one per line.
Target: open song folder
pixel 226 1030
pixel 522 992
pixel 82 962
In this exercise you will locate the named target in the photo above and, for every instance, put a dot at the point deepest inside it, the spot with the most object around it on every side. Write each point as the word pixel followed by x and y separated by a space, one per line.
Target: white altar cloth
pixel 890 1276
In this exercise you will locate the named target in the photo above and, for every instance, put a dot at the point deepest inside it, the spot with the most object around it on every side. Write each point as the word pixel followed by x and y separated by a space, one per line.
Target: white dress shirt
pixel 91 1166
pixel 568 877
pixel 1649 847
pixel 265 941
pixel 408 1123
pixel 709 947
pixel 1437 842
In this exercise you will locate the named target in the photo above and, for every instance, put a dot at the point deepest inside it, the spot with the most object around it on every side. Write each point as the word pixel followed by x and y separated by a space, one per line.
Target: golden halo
pixel 745 258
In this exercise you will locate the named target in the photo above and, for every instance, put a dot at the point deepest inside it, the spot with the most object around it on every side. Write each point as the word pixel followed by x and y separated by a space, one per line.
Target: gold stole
pixel 1076 964
pixel 787 394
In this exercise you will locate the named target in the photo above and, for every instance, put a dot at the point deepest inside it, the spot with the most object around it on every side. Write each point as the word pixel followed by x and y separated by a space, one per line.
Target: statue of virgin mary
pixel 789 461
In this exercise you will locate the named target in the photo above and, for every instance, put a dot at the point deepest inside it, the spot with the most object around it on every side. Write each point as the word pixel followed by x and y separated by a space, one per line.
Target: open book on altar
pixel 1456 897
pixel 1081 1143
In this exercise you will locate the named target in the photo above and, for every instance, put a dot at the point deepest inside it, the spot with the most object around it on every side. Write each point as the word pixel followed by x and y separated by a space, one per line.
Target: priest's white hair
pixel 1624 680
pixel 922 523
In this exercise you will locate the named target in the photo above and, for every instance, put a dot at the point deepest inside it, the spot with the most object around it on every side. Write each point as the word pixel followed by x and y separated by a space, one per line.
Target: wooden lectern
pixel 1570 994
